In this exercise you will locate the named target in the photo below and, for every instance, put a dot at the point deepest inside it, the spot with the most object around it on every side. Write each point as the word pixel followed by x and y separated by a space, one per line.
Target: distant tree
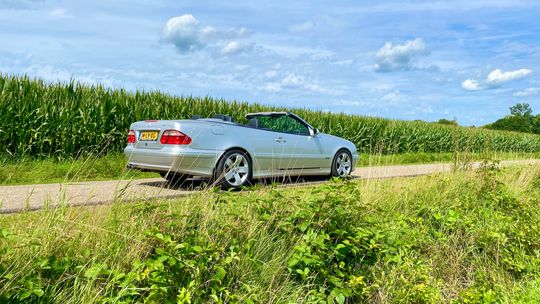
pixel 445 121
pixel 512 123
pixel 521 110
pixel 536 124
pixel 519 120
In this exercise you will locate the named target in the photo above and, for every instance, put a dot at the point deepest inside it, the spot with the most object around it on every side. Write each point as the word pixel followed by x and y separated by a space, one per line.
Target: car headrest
pixel 223 117
pixel 253 122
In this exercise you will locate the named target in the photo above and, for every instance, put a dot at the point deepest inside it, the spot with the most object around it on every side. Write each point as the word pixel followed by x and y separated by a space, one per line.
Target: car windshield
pixel 282 123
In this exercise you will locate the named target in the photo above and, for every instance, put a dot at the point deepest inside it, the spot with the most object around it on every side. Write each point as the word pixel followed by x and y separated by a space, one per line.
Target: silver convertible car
pixel 272 144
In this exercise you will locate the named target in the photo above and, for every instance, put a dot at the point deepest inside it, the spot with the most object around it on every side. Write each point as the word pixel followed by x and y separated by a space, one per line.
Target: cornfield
pixel 65 120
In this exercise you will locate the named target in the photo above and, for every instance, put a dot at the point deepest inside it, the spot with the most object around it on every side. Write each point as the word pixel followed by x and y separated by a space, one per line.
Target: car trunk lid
pixel 148 132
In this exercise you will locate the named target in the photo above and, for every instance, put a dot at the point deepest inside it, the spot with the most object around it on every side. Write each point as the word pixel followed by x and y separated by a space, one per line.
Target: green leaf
pixel 94 271
pixel 4 233
pixel 220 273
pixel 8 276
pixel 25 295
pixel 293 262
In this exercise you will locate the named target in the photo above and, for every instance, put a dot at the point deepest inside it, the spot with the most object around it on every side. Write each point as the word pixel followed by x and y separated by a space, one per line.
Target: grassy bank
pixel 113 166
pixel 463 237
pixel 426 158
pixel 38 171
pixel 66 120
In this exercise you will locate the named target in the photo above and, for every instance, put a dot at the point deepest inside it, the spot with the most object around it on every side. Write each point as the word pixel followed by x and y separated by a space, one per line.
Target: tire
pixel 342 164
pixel 174 179
pixel 234 170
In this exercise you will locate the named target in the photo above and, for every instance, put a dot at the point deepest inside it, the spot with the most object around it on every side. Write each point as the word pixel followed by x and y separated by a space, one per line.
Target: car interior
pixel 277 123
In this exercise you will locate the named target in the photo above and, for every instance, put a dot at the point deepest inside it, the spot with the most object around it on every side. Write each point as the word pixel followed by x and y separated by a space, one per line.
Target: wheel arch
pixel 353 164
pixel 340 149
pixel 251 159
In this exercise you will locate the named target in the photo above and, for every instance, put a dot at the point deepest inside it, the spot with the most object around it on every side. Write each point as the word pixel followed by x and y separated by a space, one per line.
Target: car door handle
pixel 280 140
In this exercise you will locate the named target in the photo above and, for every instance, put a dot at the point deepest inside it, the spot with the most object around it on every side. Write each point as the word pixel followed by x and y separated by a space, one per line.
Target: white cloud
pixel 495 79
pixel 347 102
pixel 293 51
pixel 498 76
pixel 295 81
pixel 344 62
pixel 60 13
pixel 316 88
pixel 394 97
pixel 302 27
pixel 187 34
pixel 233 47
pixel 527 92
pixel 48 72
pixel 392 57
pixel 184 32
pixel 292 80
pixel 471 85
pixel 19 4
pixel 272 88
pixel 52 73
pixel 271 74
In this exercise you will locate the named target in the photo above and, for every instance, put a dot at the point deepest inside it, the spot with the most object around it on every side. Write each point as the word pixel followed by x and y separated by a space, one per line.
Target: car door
pixel 263 148
pixel 294 148
pixel 298 152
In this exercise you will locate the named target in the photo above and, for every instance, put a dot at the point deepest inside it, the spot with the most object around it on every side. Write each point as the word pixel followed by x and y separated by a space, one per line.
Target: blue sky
pixel 426 60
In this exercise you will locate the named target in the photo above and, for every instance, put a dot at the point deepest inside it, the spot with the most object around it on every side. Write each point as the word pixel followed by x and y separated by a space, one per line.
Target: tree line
pixel 520 119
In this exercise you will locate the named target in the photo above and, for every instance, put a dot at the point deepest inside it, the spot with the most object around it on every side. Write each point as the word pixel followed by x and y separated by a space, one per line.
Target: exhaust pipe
pixel 132 167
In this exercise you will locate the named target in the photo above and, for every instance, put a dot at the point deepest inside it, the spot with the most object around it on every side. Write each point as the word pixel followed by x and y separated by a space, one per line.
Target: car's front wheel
pixel 342 164
pixel 233 170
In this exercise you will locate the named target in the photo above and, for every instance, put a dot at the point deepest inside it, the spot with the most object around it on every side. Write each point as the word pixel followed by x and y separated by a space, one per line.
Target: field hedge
pixel 64 120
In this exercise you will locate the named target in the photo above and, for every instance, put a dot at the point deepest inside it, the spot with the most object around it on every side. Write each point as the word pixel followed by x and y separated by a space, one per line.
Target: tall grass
pixel 28 170
pixel 461 237
pixel 62 120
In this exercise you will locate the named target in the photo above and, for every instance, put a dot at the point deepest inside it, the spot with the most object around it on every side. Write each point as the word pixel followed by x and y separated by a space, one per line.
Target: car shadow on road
pixel 190 184
pixel 196 183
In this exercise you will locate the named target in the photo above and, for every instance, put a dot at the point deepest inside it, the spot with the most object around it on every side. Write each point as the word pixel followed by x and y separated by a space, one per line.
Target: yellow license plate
pixel 149 136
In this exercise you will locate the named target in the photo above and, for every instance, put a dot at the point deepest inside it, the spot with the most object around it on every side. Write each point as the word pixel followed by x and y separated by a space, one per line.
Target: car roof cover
pixel 249 115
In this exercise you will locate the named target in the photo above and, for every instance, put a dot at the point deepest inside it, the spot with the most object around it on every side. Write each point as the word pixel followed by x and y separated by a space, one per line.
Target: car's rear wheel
pixel 233 169
pixel 342 164
pixel 174 178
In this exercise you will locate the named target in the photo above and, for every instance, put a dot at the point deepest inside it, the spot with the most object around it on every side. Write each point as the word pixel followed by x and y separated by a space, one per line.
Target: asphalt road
pixel 33 197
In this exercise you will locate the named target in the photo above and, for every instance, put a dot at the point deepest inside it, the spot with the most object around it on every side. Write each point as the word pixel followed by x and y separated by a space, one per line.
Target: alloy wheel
pixel 236 169
pixel 343 164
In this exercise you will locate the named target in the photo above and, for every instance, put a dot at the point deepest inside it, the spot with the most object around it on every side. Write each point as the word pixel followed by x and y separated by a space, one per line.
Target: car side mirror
pixel 314 132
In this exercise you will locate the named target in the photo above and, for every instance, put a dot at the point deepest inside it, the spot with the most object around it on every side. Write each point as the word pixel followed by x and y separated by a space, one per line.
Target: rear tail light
pixel 131 137
pixel 175 137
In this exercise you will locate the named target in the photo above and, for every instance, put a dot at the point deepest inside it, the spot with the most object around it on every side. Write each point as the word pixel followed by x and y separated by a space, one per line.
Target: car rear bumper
pixel 183 160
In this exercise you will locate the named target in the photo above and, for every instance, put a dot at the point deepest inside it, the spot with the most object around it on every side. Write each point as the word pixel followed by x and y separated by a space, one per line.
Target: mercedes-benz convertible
pixel 271 144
